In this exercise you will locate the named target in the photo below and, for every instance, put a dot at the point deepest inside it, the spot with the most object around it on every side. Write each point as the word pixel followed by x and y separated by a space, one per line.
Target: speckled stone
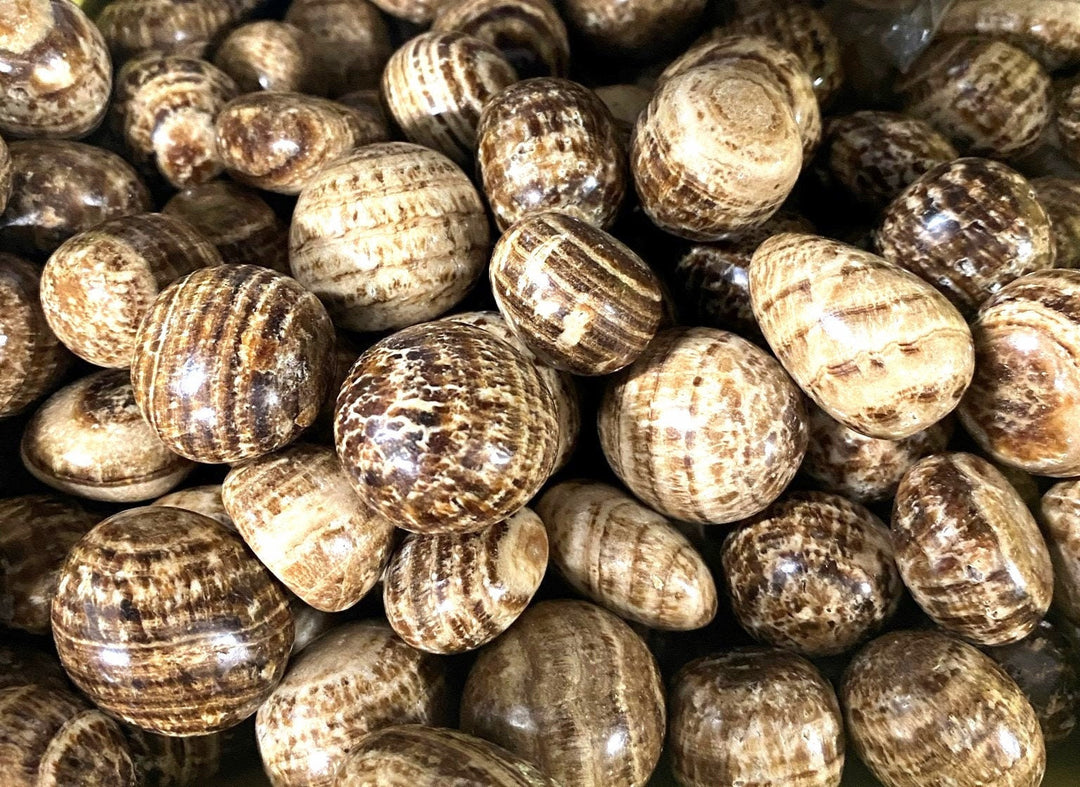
pixel 205 500
pixel 717 150
pixel 561 384
pixel 969 550
pixel 873 345
pixel 1060 197
pixel 349 40
pixel 182 27
pixel 875 155
pixel 243 228
pixel 452 592
pixel 1067 104
pixel 814 573
pixel 1025 397
pixel 6 174
pixel 770 59
pixel 89 439
pixel 164 107
pixel 729 438
pixel 866 469
pixel 1048 30
pixel 407 755
pixel 51 738
pixel 146 626
pixel 280 141
pixel 627 557
pixel 388 236
pixel 435 86
pixel 578 298
pixel 969 227
pixel 42 99
pixel 712 280
pixel 368 107
pixel 904 695
pixel 60 188
pixel 547 144
pixel 442 427
pixel 530 33
pixel 97 286
pixel 585 685
pixel 32 359
pixel 755 716
pixel 298 513
pixel 231 363
pixel 1043 664
pixel 805 32
pixel 269 55
pixel 631 29
pixel 1060 517
pixel 356 679
pixel 36 533
pixel 988 97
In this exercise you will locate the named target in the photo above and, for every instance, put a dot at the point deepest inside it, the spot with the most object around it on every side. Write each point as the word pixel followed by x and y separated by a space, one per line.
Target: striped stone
pixel 580 300
pixel 164 619
pixel 232 362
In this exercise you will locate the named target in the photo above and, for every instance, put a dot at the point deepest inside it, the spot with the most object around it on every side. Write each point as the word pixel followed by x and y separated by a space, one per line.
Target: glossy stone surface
pixel 60 188
pixel 243 228
pixel 135 27
pixel 348 38
pixel 51 738
pixel 530 33
pixel 561 384
pixel 988 97
pixel 205 500
pixel 231 363
pixel 435 86
pixel 578 298
pixel 770 59
pixel 540 692
pixel 89 439
pixel 164 107
pixel 969 550
pixel 389 235
pixel 269 55
pixel 298 513
pixel 36 533
pixel 1048 30
pixel 444 428
pixel 547 144
pixel 969 227
pixel 280 141
pixel 32 359
pixel 1025 396
pixel 902 696
pixel 97 286
pixel 804 31
pixel 874 346
pixel 712 280
pixel 731 434
pixel 356 679
pixel 450 593
pixel 627 557
pixel 814 573
pixel 407 755
pixel 755 716
pixel 145 625
pixel 875 155
pixel 1060 197
pixel 717 150
pixel 1043 664
pixel 866 469
pixel 55 73
pixel 162 761
pixel 1060 518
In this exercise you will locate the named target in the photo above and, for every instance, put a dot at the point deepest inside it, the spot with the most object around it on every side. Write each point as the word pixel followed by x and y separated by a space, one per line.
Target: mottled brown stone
pixel 181 27
pixel 631 29
pixel 530 33
pixel 269 55
pixel 205 500
pixel 1060 197
pixel 1048 30
pixel 349 41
